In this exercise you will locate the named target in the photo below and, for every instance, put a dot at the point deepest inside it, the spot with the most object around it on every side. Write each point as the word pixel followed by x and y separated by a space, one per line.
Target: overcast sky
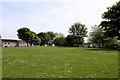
pixel 49 15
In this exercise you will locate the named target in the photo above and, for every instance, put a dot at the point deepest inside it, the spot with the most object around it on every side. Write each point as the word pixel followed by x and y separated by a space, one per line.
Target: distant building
pixel 12 43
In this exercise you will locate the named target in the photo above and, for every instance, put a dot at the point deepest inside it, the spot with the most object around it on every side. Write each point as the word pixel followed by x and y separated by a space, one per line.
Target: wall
pixel 8 43
pixel 22 44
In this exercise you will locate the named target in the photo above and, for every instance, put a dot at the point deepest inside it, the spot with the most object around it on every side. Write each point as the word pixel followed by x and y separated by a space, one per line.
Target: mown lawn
pixel 59 62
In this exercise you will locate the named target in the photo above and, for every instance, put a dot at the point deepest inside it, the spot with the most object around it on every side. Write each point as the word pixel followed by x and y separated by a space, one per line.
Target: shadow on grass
pixel 102 49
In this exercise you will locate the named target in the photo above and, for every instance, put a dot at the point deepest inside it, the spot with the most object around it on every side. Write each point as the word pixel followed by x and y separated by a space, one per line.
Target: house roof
pixel 13 40
pixel 20 41
pixel 8 40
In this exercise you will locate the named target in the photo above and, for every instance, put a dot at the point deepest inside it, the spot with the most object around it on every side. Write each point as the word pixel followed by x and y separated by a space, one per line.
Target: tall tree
pixel 111 23
pixel 78 31
pixel 27 35
pixel 97 36
pixel 99 39
pixel 24 34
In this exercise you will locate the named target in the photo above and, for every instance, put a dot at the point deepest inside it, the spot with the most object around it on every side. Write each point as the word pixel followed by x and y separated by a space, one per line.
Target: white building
pixel 12 43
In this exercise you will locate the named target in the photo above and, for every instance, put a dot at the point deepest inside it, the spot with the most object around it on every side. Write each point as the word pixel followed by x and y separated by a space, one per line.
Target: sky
pixel 49 15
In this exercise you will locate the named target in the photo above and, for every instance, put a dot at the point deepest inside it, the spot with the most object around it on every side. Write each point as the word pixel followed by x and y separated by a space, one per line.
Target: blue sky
pixel 49 15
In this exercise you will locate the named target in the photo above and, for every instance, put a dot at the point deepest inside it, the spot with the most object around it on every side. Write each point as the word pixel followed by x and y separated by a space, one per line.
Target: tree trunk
pixel 27 44
pixel 31 43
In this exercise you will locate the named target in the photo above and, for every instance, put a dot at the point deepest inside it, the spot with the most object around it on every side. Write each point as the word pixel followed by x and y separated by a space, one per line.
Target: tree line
pixel 105 35
pixel 75 39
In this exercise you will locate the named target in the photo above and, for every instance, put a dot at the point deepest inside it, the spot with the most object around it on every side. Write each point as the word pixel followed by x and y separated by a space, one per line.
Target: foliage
pixel 37 40
pixel 112 21
pixel 111 42
pixel 59 34
pixel 51 35
pixel 73 41
pixel 34 39
pixel 77 31
pixel 60 41
pixel 46 37
pixel 98 37
pixel 70 40
pixel 27 35
pixel 24 33
pixel 59 62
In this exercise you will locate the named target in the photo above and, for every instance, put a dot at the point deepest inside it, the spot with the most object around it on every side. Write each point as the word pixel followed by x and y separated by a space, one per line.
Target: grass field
pixel 59 62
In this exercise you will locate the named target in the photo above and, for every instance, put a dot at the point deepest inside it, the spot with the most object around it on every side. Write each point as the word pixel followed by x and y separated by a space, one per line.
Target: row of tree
pixel 76 37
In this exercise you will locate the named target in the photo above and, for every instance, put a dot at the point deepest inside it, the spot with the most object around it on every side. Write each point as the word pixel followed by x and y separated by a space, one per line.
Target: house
pixel 21 43
pixel 12 43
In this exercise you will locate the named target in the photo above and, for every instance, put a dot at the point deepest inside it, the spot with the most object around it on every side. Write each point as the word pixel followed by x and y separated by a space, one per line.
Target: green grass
pixel 59 62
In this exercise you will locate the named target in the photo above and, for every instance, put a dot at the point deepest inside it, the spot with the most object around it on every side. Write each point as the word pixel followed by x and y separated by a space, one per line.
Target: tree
pixel 97 36
pixel 44 38
pixel 60 41
pixel 111 23
pixel 78 31
pixel 111 42
pixel 27 35
pixel 37 40
pixel 99 39
pixel 34 39
pixel 70 41
pixel 52 35
pixel 24 34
